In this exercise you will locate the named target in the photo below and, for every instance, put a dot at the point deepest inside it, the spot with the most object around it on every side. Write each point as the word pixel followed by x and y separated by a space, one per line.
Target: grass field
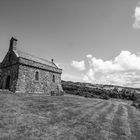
pixel 67 118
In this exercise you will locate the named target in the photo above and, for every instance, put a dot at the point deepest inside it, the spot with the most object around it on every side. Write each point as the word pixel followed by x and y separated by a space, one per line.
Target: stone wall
pixel 9 67
pixel 22 75
pixel 11 71
pixel 27 84
pixel 9 59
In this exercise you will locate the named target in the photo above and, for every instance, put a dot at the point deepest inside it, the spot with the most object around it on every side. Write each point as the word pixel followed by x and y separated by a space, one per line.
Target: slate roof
pixel 34 61
pixel 34 58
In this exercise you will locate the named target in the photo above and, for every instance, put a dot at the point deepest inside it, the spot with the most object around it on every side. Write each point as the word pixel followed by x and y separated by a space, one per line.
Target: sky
pixel 96 41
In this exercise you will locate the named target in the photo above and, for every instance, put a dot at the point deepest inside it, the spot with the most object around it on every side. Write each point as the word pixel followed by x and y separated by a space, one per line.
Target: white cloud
pixel 89 77
pixel 128 61
pixel 122 70
pixel 124 61
pixel 78 65
pixel 136 24
pixel 89 56
pixel 71 77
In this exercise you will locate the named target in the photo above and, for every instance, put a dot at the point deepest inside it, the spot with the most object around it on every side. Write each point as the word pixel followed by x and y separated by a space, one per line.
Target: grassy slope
pixel 66 118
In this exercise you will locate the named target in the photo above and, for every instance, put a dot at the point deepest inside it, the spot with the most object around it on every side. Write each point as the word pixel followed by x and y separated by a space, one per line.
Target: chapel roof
pixel 31 60
pixel 34 58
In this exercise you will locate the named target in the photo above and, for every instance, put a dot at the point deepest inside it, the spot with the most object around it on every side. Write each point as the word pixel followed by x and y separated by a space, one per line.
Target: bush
pixel 82 90
pixel 136 103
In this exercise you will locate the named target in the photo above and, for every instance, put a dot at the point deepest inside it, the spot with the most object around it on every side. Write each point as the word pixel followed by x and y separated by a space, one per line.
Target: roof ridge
pixel 32 57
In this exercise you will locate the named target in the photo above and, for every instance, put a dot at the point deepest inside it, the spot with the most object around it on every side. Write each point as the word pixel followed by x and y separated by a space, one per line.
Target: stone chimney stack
pixel 13 44
pixel 52 60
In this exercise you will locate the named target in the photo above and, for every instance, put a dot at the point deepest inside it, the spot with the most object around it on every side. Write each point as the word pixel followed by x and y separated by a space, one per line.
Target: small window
pixel 36 75
pixel 53 79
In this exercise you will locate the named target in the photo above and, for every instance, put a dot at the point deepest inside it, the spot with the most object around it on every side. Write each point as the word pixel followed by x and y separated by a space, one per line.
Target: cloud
pixel 124 61
pixel 78 65
pixel 136 24
pixel 89 56
pixel 128 61
pixel 71 77
pixel 123 70
pixel 89 77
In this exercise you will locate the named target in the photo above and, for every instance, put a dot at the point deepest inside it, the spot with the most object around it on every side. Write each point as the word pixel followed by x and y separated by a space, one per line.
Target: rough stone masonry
pixel 21 72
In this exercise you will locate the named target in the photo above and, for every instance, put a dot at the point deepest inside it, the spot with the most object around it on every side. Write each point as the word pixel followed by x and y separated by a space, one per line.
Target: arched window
pixel 53 79
pixel 36 75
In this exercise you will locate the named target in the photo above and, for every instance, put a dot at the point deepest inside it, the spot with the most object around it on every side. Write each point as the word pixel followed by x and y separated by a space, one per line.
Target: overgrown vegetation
pixel 136 102
pixel 81 90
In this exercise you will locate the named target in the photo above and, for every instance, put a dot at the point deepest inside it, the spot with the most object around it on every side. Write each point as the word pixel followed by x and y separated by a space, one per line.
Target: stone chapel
pixel 21 72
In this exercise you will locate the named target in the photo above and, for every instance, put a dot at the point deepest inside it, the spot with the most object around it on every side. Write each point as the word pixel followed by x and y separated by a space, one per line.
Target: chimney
pixel 52 60
pixel 13 44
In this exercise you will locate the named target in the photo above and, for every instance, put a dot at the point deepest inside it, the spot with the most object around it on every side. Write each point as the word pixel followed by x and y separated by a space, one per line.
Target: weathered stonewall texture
pixel 24 73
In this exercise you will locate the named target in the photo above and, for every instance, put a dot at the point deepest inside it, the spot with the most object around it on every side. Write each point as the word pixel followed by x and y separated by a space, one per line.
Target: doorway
pixel 7 82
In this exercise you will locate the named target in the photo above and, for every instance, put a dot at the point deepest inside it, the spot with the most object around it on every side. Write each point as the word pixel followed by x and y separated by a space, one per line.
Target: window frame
pixel 37 76
pixel 53 78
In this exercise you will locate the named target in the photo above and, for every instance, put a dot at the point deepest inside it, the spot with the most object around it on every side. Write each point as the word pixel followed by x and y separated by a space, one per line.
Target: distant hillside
pixel 100 86
pixel 100 91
